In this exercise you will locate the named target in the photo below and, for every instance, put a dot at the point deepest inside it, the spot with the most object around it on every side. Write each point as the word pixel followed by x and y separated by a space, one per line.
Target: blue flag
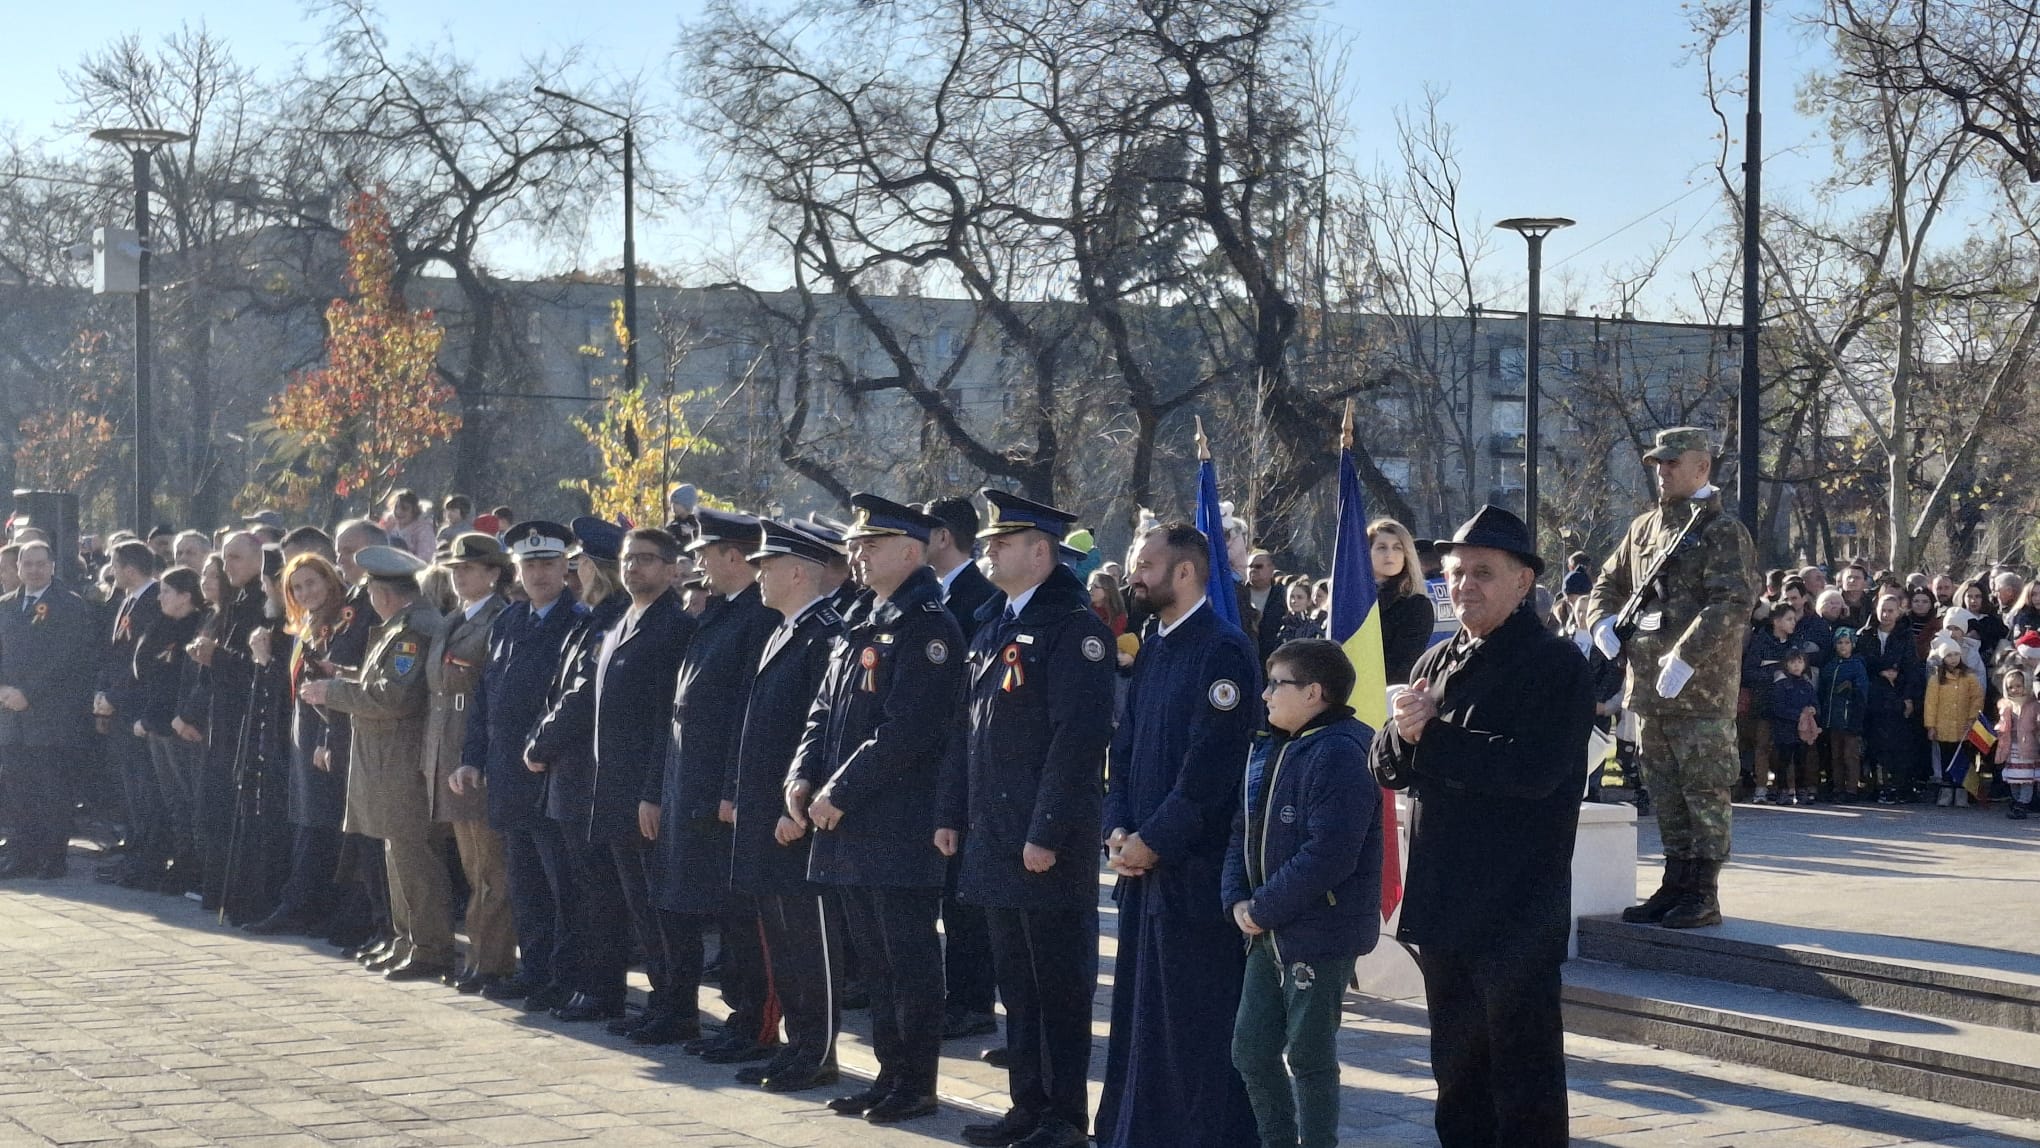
pixel 1211 520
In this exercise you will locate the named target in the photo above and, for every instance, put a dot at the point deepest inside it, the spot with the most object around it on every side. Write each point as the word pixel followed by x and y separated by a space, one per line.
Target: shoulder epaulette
pixel 827 617
pixel 934 607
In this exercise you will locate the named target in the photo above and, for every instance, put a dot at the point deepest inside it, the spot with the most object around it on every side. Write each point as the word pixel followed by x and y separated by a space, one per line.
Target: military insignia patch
pixel 938 651
pixel 1094 649
pixel 1225 694
pixel 402 663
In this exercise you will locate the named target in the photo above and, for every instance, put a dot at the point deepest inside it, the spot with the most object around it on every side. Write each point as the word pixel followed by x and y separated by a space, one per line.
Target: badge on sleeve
pixel 406 658
pixel 938 651
pixel 1094 648
pixel 1225 694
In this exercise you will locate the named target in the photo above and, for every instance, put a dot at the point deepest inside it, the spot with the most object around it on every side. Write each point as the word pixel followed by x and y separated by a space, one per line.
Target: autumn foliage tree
pixel 74 443
pixel 638 439
pixel 379 401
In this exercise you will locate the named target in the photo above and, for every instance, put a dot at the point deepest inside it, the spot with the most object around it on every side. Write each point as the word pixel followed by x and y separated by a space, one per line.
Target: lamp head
pixel 1534 226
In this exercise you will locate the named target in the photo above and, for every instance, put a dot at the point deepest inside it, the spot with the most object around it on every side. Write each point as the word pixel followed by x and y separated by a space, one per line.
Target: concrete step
pixel 1945 1060
pixel 1988 987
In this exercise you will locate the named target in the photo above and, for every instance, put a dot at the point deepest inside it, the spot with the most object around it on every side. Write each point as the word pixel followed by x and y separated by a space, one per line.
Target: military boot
pixel 1701 903
pixel 1668 893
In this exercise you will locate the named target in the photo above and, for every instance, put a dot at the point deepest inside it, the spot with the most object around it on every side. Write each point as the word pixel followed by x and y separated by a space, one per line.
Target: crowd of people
pixel 829 765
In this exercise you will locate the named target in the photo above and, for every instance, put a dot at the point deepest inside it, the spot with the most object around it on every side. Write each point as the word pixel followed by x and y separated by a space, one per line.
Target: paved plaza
pixel 130 1018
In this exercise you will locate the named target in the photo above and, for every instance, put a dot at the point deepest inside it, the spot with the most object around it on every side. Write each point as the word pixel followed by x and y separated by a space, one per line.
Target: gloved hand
pixel 1673 676
pixel 1605 639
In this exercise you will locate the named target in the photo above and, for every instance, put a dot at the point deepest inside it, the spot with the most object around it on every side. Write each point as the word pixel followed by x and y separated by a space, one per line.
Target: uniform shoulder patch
pixel 1225 694
pixel 1094 648
pixel 828 617
pixel 938 651
pixel 934 607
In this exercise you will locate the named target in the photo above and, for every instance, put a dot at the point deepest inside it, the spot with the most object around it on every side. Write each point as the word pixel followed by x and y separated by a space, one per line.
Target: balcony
pixel 1506 445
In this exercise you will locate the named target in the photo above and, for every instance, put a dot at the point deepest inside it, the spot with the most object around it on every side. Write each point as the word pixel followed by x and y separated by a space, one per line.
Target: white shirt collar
pixel 947 579
pixel 1163 629
pixel 1708 491
pixel 793 619
pixel 471 611
pixel 1019 602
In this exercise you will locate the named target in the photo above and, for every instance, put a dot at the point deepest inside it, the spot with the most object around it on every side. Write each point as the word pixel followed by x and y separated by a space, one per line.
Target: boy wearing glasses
pixel 1303 883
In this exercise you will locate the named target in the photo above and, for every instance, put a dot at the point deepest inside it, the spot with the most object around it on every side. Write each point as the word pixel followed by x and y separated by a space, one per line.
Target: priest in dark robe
pixel 1192 708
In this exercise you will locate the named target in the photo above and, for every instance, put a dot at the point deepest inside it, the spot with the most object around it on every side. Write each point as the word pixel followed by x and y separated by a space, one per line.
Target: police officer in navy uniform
pixel 1023 790
pixel 692 812
pixel 769 854
pixel 526 644
pixel 866 778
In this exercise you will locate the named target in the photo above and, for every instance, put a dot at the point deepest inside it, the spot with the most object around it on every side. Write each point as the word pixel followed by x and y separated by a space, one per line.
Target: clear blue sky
pixel 1569 107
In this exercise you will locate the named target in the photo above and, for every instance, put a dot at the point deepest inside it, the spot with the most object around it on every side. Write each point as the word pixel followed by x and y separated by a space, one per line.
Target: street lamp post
pixel 141 145
pixel 630 327
pixel 1532 229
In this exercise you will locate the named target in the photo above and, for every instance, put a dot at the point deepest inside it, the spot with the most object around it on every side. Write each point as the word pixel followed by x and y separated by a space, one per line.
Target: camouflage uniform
pixel 1686 743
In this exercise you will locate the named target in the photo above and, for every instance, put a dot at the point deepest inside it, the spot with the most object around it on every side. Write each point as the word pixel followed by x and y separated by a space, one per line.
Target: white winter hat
pixel 1957 618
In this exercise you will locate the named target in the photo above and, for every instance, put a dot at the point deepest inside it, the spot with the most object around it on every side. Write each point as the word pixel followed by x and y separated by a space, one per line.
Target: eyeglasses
pixel 1277 683
pixel 643 559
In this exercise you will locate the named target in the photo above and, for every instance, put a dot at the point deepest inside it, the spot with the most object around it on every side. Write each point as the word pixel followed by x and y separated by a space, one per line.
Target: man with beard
pixel 225 698
pixel 1191 711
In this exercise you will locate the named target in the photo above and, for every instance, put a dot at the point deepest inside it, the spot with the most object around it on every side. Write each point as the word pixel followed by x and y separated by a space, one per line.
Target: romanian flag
pixel 1981 735
pixel 1965 770
pixel 1218 589
pixel 1356 626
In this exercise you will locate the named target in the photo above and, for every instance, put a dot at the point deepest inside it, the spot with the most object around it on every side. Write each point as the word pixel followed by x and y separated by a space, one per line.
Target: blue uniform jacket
pixel 1844 692
pixel 790 671
pixel 1309 858
pixel 1191 709
pixel 524 655
pixel 616 714
pixel 1028 765
pixel 570 776
pixel 877 736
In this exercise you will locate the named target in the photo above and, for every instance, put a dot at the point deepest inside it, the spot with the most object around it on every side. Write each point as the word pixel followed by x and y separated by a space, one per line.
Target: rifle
pixel 1647 590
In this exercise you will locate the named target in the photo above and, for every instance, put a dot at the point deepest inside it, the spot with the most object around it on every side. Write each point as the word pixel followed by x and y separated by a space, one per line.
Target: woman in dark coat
pixel 1892 734
pixel 1405 604
pixel 160 671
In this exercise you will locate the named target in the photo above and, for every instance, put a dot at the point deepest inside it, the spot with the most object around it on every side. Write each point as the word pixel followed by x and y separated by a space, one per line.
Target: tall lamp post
pixel 630 367
pixel 1532 229
pixel 141 145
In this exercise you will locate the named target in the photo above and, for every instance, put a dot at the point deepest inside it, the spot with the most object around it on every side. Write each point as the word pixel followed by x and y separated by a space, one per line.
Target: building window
pixel 1568 360
pixel 1505 416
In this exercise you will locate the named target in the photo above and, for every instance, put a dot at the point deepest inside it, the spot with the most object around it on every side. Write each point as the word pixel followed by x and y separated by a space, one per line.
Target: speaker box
pixel 55 513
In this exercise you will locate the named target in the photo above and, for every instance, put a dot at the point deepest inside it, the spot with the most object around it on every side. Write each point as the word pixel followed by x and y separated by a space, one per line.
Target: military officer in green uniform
pixel 1684 657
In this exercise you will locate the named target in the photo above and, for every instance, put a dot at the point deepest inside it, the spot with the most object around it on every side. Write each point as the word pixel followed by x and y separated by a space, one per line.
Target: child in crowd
pixel 2018 745
pixel 1792 705
pixel 1954 699
pixel 1303 882
pixel 1844 688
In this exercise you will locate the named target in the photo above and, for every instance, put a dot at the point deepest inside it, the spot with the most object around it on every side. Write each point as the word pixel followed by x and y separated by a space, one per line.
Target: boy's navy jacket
pixel 1788 698
pixel 1844 692
pixel 1310 858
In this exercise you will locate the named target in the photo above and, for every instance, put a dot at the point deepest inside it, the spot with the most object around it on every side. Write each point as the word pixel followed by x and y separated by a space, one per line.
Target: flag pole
pixel 1346 431
pixel 1203 444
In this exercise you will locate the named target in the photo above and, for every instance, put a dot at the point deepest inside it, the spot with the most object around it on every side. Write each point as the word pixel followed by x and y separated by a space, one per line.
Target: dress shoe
pixel 801 1078
pixel 702 1044
pixel 1054 1133
pixel 453 977
pixel 277 925
pixel 959 1025
pixel 858 1103
pixel 900 1106
pixel 996 1057
pixel 585 1008
pixel 413 969
pixel 508 989
pixel 383 947
pixel 741 1053
pixel 1016 1124
pixel 758 1073
pixel 476 983
pixel 388 961
pixel 666 1028
pixel 628 1023
pixel 548 998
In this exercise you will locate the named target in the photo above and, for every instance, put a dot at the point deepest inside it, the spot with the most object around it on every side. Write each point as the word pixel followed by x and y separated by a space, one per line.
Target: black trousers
pixel 666 964
pixel 309 893
pixel 542 898
pixel 747 972
pixel 803 975
pixel 599 932
pixel 893 931
pixel 1047 964
pixel 1497 1049
pixel 966 951
pixel 39 800
pixel 176 763
pixel 148 831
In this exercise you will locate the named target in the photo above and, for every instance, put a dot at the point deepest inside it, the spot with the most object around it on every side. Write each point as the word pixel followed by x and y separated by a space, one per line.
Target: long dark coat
pixel 524 656
pixel 1028 768
pixel 876 738
pixel 615 710
pixel 1497 779
pixel 790 672
pixel 131 620
pixel 713 687
pixel 47 652
pixel 318 797
pixel 570 776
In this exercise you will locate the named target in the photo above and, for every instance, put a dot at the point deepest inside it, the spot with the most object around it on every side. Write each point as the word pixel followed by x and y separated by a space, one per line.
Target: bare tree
pixel 1982 57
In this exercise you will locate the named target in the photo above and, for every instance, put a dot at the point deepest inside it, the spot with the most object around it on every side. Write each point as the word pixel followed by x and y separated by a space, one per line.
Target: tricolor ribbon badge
pixel 1016 675
pixel 869 660
pixel 42 610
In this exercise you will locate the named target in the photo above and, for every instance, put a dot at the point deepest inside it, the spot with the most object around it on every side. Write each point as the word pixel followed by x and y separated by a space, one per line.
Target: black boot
pixel 1668 893
pixel 1701 903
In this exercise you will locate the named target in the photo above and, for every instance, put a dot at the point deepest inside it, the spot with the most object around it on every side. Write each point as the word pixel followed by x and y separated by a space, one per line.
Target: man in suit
pixel 628 680
pixel 1021 807
pixel 966 940
pixel 46 671
pixel 769 853
pixel 696 806
pixel 526 643
pixel 865 777
pixel 119 702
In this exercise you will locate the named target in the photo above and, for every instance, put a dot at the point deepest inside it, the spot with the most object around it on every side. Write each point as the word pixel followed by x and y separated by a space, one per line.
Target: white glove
pixel 1605 639
pixel 1673 677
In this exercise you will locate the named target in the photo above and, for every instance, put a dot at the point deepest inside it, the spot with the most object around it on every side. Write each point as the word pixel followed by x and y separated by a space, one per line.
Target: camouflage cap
pixel 1675 441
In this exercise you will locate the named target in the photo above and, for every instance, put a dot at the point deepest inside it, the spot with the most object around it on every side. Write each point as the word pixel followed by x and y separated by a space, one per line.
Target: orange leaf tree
pixel 74 443
pixel 379 401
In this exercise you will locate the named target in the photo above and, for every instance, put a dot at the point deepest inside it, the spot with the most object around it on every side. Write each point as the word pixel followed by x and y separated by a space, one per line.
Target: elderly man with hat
pixel 386 700
pixel 1682 580
pixel 480 569
pixel 1022 802
pixel 1490 738
pixel 865 777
